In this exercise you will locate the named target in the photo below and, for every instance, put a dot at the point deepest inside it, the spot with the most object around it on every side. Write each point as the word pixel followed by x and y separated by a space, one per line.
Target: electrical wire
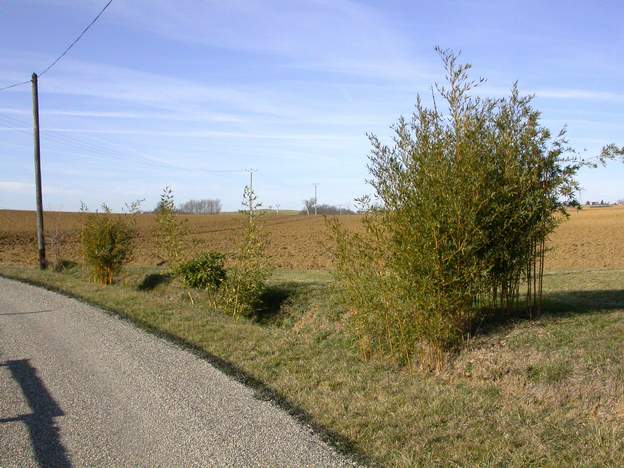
pixel 104 150
pixel 99 149
pixel 67 49
pixel 14 85
pixel 14 124
pixel 77 38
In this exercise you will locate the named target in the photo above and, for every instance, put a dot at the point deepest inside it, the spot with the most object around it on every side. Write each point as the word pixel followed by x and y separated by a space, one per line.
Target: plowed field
pixel 591 239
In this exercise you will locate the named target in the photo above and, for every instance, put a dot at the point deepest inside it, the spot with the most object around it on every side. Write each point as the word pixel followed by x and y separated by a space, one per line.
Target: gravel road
pixel 79 387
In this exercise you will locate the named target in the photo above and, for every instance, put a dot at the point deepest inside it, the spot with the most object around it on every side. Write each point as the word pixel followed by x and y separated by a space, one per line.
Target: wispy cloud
pixel 320 29
pixel 11 186
pixel 195 134
pixel 113 92
pixel 579 94
pixel 572 94
pixel 287 86
pixel 206 116
pixel 20 187
pixel 335 36
pixel 151 90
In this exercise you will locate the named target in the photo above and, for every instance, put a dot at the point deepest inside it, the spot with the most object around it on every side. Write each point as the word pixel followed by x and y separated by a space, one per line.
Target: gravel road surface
pixel 79 387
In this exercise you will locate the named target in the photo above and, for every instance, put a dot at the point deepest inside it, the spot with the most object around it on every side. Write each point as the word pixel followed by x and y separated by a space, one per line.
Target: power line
pixel 77 39
pixel 14 85
pixel 26 125
pixel 10 125
pixel 69 47
pixel 104 150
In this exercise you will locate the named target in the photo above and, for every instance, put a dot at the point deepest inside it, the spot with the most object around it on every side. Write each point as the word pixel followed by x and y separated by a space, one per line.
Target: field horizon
pixel 589 239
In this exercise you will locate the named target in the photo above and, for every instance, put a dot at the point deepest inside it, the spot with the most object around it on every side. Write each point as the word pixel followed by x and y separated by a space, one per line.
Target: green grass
pixel 548 391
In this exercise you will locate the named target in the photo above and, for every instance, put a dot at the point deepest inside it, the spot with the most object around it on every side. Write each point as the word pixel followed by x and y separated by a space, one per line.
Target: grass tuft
pixel 549 373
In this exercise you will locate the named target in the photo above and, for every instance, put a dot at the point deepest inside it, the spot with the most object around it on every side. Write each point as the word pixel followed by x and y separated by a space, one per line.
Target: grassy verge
pixel 542 392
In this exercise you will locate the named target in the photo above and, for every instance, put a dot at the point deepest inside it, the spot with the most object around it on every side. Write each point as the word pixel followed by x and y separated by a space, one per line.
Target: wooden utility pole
pixel 40 239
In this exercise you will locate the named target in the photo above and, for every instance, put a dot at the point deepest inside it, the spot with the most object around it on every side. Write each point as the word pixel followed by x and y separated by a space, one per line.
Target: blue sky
pixel 171 93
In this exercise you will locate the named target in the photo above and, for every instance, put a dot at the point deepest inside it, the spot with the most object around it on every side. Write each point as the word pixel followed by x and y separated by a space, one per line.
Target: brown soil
pixel 591 239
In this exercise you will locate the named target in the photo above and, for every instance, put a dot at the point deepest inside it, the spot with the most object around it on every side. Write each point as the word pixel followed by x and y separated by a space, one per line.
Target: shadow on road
pixel 43 432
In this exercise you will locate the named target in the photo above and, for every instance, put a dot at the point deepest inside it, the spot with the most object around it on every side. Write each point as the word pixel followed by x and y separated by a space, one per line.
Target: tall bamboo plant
pixel 465 199
pixel 245 281
pixel 170 232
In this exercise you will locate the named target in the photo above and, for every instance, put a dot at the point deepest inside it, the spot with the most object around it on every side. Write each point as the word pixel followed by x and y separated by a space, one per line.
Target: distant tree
pixel 326 209
pixel 205 206
pixel 308 206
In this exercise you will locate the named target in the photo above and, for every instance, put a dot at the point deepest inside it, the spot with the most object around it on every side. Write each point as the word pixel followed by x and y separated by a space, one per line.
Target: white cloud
pixel 19 187
pixel 579 94
pixel 150 90
pixel 207 134
pixel 11 186
pixel 338 36
pixel 291 28
pixel 573 94
pixel 198 117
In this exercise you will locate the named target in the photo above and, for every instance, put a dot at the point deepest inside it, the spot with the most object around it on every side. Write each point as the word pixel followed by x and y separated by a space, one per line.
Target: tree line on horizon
pixel 205 206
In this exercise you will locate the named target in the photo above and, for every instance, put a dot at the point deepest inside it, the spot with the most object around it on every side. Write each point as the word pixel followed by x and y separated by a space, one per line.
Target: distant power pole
pixel 580 195
pixel 315 186
pixel 252 206
pixel 251 173
pixel 40 239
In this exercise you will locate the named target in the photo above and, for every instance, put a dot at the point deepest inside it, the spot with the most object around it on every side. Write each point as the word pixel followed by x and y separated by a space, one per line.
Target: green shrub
pixel 204 272
pixel 245 282
pixel 242 290
pixel 465 199
pixel 107 243
pixel 170 232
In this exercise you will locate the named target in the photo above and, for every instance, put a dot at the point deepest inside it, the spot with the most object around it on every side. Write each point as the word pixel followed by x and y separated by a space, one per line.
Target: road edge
pixel 262 391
